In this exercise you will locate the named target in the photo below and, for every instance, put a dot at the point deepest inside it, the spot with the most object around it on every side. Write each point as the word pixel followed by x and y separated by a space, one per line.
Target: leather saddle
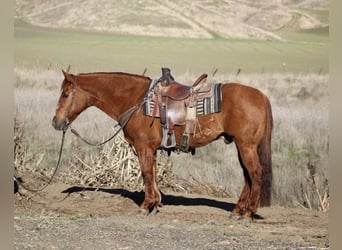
pixel 178 91
pixel 175 104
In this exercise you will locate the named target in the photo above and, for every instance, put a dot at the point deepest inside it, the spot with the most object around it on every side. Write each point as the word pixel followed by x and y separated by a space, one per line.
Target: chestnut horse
pixel 245 118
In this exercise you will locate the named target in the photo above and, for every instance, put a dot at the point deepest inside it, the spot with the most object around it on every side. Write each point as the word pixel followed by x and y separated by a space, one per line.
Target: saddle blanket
pixel 205 106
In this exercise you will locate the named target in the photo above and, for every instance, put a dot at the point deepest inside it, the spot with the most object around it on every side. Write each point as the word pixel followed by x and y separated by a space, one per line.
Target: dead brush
pixel 27 164
pixel 22 160
pixel 19 148
pixel 316 197
pixel 115 165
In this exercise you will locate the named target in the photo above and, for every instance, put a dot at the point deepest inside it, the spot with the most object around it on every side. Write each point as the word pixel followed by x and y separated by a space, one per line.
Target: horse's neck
pixel 115 93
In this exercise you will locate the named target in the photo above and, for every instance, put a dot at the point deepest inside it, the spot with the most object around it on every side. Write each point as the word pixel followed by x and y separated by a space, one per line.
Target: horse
pixel 245 119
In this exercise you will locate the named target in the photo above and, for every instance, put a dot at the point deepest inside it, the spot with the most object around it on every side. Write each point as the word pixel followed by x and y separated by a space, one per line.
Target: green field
pixel 95 51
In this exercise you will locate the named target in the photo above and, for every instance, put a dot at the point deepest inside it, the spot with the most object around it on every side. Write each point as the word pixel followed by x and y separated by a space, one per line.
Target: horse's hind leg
pixel 249 199
pixel 242 203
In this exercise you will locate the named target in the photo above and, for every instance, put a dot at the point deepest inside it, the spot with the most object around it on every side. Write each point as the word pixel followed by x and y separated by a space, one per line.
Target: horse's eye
pixel 64 95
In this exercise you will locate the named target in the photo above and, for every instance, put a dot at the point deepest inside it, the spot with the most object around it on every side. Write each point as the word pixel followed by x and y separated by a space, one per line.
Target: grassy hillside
pixel 254 36
pixel 177 18
pixel 94 51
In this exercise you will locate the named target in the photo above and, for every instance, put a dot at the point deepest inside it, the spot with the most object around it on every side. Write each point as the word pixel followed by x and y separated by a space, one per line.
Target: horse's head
pixel 70 103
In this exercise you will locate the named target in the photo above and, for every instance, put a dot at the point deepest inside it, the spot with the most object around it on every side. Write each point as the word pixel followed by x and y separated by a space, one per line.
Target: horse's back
pixel 239 91
pixel 241 97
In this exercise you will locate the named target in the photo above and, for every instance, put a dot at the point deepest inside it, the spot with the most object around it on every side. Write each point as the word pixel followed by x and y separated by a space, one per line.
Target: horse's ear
pixel 68 77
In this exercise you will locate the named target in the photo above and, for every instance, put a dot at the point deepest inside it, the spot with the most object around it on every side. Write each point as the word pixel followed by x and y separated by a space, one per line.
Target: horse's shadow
pixel 176 200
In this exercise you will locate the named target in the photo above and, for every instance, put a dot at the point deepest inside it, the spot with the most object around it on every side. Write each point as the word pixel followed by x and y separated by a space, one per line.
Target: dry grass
pixel 300 143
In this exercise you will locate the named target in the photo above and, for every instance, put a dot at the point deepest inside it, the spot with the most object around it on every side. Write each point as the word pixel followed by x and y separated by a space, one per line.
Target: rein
pixel 20 183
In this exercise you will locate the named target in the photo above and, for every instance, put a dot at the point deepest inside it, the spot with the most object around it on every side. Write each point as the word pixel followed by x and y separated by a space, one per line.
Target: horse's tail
pixel 264 152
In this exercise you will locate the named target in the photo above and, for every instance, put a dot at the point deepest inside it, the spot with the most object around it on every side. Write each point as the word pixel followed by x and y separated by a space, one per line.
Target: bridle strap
pixel 72 101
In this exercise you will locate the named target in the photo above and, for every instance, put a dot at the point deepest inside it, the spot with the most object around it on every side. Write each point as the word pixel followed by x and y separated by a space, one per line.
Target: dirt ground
pixel 74 217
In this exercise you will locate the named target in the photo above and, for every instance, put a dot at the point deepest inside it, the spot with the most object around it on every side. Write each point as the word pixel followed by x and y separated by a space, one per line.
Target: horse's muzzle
pixel 63 125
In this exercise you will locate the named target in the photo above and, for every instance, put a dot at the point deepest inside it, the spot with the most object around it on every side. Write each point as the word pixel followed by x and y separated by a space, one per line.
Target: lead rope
pixel 20 183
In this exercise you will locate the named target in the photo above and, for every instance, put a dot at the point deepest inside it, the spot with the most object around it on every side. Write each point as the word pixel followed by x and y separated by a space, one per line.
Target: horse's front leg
pixel 148 165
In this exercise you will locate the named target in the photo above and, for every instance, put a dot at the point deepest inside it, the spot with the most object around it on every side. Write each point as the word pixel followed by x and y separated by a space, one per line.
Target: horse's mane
pixel 115 73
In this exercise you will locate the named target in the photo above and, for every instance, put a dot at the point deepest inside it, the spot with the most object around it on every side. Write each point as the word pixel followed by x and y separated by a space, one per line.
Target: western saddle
pixel 175 104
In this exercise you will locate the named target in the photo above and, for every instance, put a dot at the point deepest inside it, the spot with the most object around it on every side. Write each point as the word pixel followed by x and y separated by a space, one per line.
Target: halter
pixel 70 104
pixel 68 123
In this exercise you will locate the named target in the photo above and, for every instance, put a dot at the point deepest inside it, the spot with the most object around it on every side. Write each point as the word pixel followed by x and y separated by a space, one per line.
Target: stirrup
pixel 184 145
pixel 166 135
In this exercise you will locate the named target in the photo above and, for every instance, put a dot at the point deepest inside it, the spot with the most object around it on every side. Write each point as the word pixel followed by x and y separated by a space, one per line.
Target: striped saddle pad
pixel 205 106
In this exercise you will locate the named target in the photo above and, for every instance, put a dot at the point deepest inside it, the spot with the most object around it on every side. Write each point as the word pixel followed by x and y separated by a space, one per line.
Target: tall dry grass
pixel 299 147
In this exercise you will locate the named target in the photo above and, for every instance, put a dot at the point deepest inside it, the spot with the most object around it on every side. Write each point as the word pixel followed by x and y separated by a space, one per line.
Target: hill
pixel 242 19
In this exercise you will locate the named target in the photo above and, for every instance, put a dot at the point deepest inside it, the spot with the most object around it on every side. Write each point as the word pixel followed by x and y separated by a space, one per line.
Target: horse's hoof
pixel 142 212
pixel 234 216
pixel 154 211
pixel 245 220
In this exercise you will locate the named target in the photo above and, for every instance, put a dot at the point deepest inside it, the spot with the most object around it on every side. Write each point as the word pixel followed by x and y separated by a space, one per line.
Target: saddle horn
pixel 166 77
